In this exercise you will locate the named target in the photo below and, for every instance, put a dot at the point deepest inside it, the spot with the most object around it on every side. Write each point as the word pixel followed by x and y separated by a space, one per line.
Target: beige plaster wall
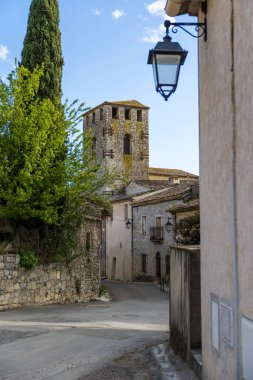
pixel 226 149
pixel 216 123
pixel 119 243
pixel 244 150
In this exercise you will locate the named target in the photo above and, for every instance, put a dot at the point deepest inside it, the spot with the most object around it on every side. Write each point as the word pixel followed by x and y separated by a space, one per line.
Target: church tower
pixel 121 138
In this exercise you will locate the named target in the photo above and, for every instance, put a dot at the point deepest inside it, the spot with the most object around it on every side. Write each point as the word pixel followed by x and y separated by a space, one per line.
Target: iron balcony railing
pixel 156 234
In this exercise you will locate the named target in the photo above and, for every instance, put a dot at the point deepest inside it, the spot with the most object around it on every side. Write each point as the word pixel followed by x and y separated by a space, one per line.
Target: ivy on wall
pixel 188 230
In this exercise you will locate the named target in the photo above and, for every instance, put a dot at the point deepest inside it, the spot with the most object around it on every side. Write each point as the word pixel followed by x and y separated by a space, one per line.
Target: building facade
pixel 226 181
pixel 119 229
pixel 154 231
pixel 119 240
pixel 121 138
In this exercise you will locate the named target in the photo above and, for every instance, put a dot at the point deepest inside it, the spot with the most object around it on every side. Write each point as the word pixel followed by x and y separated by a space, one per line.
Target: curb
pixel 172 367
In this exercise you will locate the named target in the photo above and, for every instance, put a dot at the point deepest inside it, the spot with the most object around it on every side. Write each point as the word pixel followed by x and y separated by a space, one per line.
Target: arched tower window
pixel 127 144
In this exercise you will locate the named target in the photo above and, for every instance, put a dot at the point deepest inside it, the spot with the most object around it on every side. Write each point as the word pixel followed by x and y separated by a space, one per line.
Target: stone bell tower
pixel 121 138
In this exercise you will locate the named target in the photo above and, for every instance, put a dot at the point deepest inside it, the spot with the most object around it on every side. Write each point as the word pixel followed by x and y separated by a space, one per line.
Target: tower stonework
pixel 121 137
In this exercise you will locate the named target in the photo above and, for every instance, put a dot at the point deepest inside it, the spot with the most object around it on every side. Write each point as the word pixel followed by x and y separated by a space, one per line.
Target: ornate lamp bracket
pixel 199 27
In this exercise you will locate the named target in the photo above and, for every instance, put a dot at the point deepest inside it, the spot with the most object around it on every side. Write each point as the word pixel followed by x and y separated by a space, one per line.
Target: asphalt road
pixel 97 340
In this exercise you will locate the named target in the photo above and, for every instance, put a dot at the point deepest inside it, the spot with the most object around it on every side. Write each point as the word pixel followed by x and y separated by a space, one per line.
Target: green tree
pixel 33 134
pixel 42 45
pixel 37 190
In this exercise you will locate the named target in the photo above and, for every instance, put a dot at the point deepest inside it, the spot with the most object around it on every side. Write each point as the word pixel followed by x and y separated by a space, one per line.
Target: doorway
pixel 158 265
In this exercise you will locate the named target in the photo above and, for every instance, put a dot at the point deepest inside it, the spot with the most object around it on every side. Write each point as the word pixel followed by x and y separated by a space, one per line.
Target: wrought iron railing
pixel 156 234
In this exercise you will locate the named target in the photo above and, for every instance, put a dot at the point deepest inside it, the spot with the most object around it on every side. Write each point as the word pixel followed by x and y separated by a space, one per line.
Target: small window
pixel 88 241
pixel 115 113
pixel 139 115
pixel 127 114
pixel 158 221
pixel 93 117
pixel 144 263
pixel 101 114
pixel 127 144
pixel 144 225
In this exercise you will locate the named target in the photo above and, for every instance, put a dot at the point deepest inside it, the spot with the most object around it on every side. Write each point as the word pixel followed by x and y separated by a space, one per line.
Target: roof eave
pixel 179 7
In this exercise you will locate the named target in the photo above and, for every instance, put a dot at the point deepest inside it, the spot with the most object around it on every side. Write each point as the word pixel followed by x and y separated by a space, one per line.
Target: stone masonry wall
pixel 78 281
pixel 109 136
pixel 142 243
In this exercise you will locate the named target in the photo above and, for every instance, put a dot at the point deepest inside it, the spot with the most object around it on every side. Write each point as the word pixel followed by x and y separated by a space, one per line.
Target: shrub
pixel 102 290
pixel 188 230
pixel 28 259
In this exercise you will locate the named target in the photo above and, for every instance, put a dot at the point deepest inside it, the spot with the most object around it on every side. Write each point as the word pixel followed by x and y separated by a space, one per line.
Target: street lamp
pixel 128 223
pixel 166 59
pixel 168 225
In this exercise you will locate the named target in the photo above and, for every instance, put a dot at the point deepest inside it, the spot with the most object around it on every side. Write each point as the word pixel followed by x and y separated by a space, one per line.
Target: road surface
pixel 97 340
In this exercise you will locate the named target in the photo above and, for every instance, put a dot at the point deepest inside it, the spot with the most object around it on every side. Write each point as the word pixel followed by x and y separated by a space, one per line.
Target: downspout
pixel 234 200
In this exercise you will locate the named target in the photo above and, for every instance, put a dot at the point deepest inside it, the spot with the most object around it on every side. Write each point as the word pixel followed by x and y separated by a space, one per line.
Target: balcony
pixel 156 234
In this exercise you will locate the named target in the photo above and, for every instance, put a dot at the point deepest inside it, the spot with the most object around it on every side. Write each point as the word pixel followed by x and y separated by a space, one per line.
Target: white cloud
pixel 117 13
pixel 96 12
pixel 3 52
pixel 156 8
pixel 154 34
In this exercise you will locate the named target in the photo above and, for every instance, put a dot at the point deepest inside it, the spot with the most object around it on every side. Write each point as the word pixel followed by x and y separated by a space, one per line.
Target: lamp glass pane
pixel 167 69
pixel 155 73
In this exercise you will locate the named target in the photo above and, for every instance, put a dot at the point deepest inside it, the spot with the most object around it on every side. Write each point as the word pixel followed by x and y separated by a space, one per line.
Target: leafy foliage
pixel 28 258
pixel 5 247
pixel 42 45
pixel 33 134
pixel 39 185
pixel 188 230
pixel 103 290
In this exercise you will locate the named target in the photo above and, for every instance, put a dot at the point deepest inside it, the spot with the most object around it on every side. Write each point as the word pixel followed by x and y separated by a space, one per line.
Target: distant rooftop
pixel 152 184
pixel 128 103
pixel 149 185
pixel 171 172
pixel 164 195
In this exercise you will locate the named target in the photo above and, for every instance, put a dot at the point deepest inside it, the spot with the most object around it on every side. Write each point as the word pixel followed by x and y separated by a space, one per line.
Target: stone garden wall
pixel 44 284
pixel 78 281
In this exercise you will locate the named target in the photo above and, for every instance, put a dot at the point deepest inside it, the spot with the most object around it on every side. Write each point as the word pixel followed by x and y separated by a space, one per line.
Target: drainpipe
pixel 234 201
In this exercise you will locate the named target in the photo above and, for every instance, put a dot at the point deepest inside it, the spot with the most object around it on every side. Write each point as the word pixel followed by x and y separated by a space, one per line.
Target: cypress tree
pixel 42 45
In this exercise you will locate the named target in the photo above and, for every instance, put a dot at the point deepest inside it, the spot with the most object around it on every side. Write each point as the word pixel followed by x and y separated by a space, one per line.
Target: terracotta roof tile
pixel 163 195
pixel 152 184
pixel 171 172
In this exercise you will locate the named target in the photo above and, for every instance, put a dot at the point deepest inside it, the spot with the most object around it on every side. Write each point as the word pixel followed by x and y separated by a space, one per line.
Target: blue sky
pixel 105 46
